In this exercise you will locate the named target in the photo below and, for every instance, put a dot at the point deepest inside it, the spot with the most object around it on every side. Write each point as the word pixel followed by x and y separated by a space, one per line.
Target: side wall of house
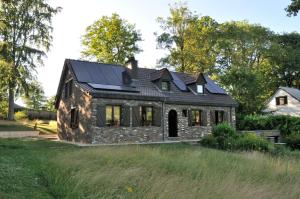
pixel 291 108
pixel 141 134
pixel 82 102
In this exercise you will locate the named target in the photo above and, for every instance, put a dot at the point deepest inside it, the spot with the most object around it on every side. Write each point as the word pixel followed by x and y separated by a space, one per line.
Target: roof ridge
pixel 95 62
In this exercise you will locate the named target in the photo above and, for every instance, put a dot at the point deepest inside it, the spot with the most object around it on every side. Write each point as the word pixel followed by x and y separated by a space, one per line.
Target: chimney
pixel 132 65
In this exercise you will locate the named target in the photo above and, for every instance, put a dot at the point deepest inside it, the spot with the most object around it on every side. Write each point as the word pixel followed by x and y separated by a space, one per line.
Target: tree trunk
pixel 11 101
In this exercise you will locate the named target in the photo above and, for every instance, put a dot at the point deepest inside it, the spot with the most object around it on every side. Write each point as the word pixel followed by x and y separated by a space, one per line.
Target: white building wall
pixel 292 108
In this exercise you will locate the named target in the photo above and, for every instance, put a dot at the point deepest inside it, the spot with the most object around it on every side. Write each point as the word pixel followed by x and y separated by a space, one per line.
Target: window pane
pixel 199 88
pixel 108 115
pixel 117 115
pixel 149 114
pixel 165 86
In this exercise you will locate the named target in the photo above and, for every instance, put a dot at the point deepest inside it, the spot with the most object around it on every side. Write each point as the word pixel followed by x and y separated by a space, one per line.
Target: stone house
pixel 104 103
pixel 285 101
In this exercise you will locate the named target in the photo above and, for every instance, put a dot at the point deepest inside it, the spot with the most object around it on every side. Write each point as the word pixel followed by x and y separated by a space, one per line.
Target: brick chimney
pixel 132 65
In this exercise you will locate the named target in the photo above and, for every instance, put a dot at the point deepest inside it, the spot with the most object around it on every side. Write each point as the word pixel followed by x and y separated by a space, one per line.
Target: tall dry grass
pixel 170 171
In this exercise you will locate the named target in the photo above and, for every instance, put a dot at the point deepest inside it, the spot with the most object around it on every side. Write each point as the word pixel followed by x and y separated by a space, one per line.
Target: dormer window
pixel 200 89
pixel 165 85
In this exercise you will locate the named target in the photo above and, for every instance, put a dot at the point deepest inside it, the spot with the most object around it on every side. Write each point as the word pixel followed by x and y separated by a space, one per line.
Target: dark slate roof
pixel 105 80
pixel 292 91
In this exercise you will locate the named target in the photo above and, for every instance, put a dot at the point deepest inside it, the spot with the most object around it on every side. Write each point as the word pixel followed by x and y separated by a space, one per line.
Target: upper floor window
pixel 282 100
pixel 147 115
pixel 68 88
pixel 165 85
pixel 112 115
pixel 200 88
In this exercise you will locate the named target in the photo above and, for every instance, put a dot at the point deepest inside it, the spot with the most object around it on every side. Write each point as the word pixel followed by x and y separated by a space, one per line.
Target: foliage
pixel 111 40
pixel 20 115
pixel 25 36
pixel 224 135
pixel 49 104
pixel 286 124
pixel 293 8
pixel 189 39
pixel 35 97
pixel 286 62
pixel 248 95
pixel 251 142
pixel 293 141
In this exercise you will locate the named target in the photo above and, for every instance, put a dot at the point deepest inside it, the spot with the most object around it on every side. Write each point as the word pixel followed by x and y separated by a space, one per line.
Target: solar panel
pixel 213 87
pixel 178 82
pixel 113 87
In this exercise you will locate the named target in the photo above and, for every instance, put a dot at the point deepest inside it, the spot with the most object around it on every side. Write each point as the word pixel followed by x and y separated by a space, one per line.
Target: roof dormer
pixel 162 79
pixel 197 85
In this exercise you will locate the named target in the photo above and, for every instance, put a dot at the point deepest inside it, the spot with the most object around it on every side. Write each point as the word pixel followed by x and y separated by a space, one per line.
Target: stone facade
pixel 89 132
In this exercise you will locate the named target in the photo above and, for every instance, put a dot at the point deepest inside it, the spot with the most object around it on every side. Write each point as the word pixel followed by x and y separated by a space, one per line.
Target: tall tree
pixel 293 8
pixel 26 32
pixel 111 40
pixel 49 104
pixel 286 63
pixel 35 97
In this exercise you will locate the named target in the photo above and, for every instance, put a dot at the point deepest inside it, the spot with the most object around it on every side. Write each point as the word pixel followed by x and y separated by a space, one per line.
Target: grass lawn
pixel 45 127
pixel 43 169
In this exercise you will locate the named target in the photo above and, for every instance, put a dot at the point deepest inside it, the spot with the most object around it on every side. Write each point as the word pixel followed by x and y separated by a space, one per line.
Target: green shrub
pixel 293 141
pixel 209 141
pixel 20 115
pixel 286 124
pixel 223 132
pixel 251 142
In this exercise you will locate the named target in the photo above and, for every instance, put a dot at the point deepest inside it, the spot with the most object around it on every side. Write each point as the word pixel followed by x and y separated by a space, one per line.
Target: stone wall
pixel 82 101
pixel 151 133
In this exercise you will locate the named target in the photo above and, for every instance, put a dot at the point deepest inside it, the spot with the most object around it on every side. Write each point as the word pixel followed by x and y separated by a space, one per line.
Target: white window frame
pixel 198 89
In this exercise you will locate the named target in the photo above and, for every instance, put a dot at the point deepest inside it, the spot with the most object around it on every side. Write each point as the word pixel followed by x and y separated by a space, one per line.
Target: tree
pixel 244 85
pixel 49 104
pixel 35 97
pixel 286 63
pixel 293 8
pixel 26 32
pixel 111 40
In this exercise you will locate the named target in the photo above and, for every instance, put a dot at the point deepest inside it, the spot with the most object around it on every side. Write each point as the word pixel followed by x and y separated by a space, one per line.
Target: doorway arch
pixel 173 126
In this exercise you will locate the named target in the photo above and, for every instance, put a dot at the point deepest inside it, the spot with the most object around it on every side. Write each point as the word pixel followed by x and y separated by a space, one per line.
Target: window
pixel 147 115
pixel 219 117
pixel 197 119
pixel 282 100
pixel 74 118
pixel 200 89
pixel 165 85
pixel 113 115
pixel 68 88
pixel 184 113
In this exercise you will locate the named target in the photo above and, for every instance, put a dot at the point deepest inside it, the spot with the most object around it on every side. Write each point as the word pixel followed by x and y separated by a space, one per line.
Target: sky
pixel 70 24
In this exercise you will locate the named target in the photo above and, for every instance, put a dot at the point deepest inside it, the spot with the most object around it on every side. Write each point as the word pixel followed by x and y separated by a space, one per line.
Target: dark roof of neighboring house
pixel 17 106
pixel 106 80
pixel 292 91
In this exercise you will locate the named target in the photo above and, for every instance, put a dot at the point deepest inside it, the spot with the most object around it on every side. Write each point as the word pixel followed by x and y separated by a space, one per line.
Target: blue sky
pixel 70 24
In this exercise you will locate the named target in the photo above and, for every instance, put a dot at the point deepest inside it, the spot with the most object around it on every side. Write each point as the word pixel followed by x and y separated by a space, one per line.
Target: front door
pixel 172 119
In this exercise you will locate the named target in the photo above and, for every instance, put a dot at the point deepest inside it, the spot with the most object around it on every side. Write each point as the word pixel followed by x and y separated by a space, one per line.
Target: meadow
pixel 43 169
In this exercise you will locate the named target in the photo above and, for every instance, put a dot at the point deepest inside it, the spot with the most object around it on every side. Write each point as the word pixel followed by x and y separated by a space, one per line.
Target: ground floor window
pixel 219 117
pixel 198 118
pixel 147 115
pixel 74 118
pixel 113 115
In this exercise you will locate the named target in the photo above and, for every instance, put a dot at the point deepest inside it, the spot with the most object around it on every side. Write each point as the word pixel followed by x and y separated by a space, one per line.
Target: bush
pixel 251 142
pixel 293 141
pixel 225 137
pixel 223 132
pixel 20 115
pixel 286 124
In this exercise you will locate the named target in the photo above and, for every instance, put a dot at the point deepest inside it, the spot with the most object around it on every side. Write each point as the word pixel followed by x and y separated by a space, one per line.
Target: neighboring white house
pixel 285 101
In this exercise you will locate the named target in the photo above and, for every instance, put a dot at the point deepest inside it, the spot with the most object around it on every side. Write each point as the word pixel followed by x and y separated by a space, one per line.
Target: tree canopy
pixel 25 37
pixel 111 40
pixel 293 8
